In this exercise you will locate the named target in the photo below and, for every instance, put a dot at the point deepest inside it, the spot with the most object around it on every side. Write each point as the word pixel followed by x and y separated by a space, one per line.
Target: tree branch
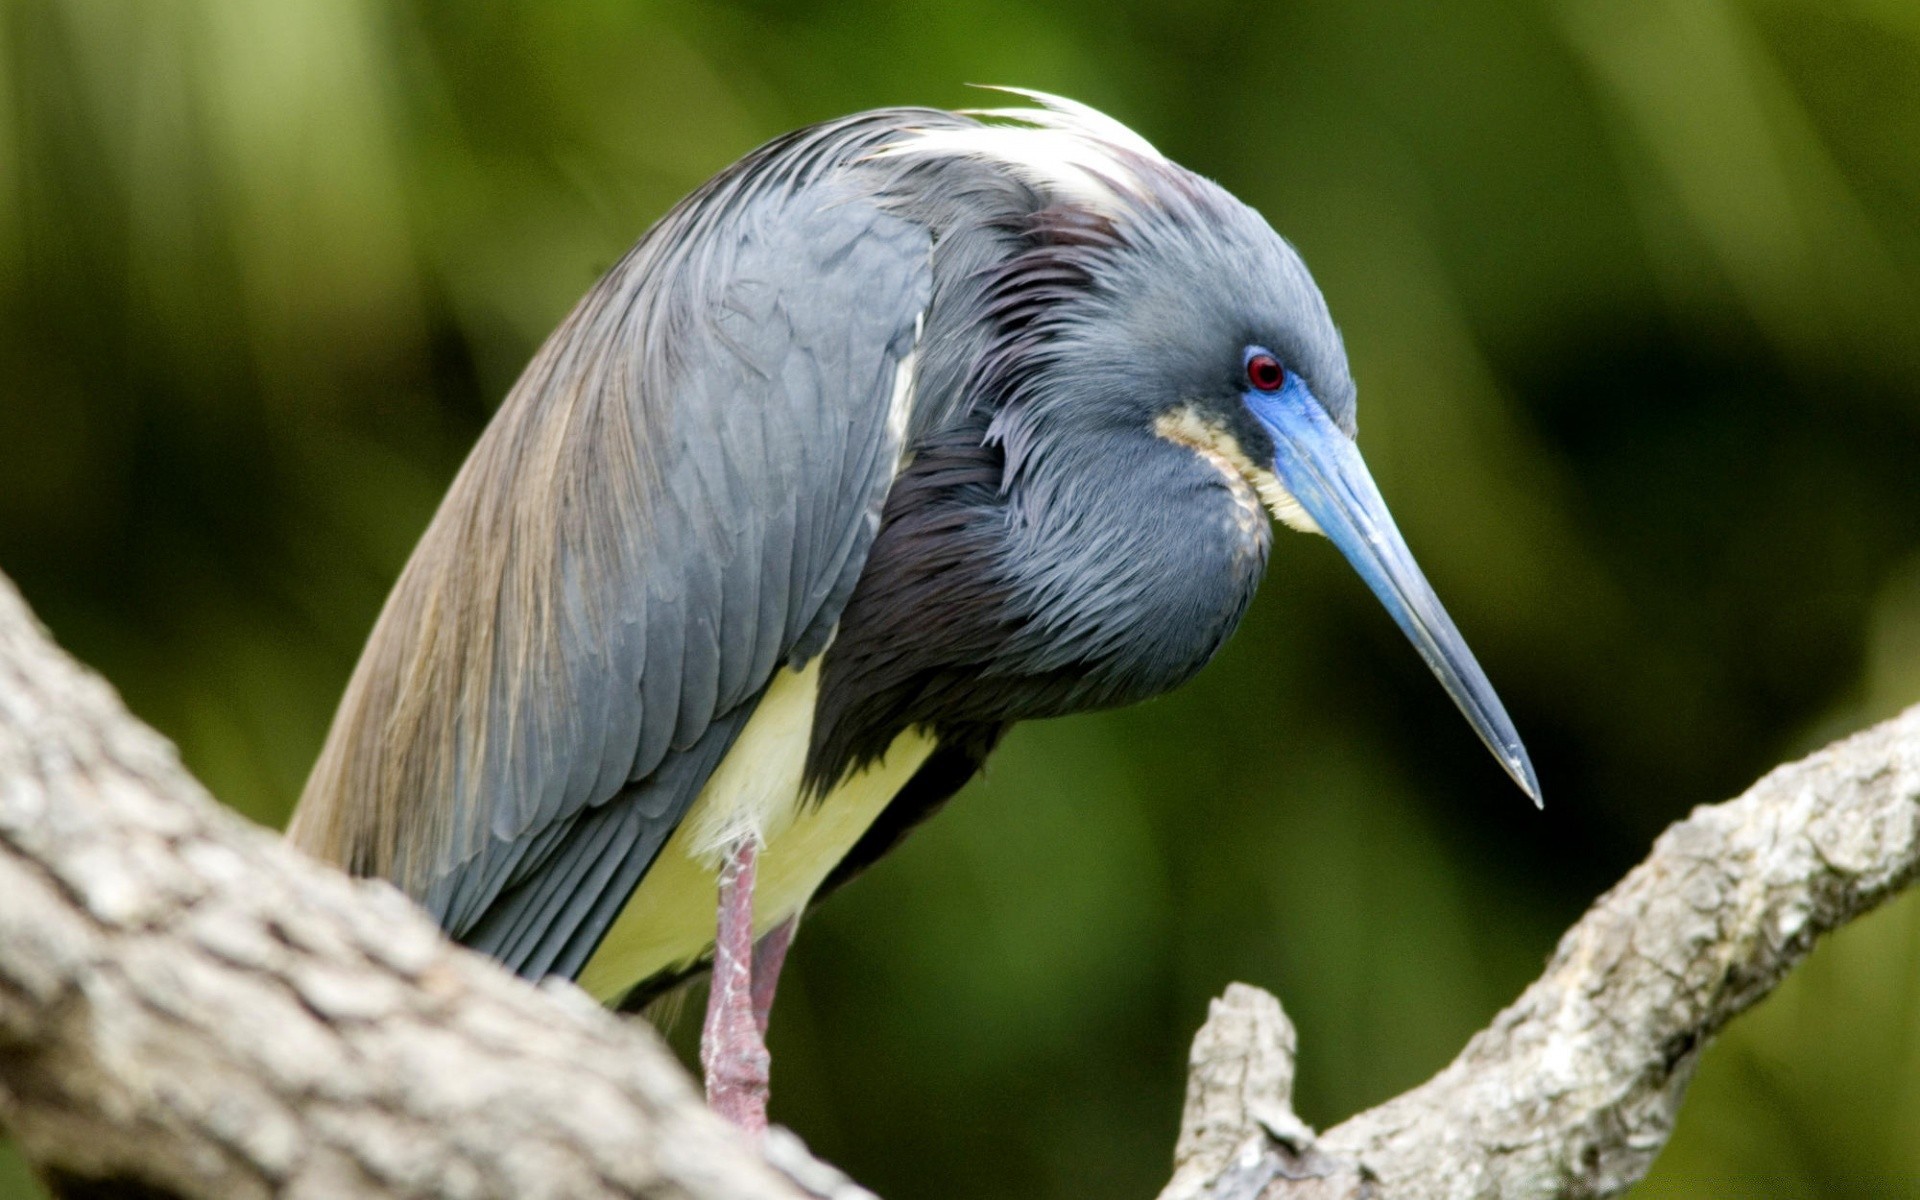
pixel 1574 1088
pixel 190 1008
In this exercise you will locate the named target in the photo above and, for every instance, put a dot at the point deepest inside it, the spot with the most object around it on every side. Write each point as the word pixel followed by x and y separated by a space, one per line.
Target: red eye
pixel 1265 372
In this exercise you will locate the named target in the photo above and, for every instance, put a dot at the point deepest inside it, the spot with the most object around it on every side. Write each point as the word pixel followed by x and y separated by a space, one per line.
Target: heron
pixel 904 428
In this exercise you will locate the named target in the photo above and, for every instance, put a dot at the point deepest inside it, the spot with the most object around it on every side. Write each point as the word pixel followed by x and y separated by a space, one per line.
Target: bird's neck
pixel 1109 570
pixel 1134 559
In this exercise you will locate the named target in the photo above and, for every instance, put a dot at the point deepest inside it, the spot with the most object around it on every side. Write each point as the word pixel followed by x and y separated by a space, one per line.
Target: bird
pixel 906 427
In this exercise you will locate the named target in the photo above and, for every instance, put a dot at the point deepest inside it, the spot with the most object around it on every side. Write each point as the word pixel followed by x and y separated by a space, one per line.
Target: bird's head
pixel 1151 299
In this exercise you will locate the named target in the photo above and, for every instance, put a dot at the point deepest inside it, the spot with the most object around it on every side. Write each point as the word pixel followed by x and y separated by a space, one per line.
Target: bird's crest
pixel 1061 147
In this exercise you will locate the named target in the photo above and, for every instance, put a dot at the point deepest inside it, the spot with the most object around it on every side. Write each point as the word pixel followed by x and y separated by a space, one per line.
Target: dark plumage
pixel 904 428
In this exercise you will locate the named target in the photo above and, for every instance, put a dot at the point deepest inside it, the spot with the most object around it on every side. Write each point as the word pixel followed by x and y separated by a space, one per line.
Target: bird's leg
pixel 732 1051
pixel 768 955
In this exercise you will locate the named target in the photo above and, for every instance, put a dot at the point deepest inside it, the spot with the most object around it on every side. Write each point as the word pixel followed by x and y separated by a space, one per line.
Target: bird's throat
pixel 1219 449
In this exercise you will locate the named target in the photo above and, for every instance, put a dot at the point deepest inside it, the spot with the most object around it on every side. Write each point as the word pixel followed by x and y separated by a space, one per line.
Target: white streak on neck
pixel 900 406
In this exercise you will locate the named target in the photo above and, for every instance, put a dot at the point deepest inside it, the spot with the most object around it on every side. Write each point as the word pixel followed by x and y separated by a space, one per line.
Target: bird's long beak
pixel 1319 464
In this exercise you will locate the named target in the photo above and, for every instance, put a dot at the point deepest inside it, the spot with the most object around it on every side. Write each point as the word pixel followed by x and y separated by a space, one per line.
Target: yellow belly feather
pixel 670 918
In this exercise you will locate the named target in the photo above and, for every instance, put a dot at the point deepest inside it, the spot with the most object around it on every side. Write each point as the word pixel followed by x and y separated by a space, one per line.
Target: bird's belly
pixel 669 921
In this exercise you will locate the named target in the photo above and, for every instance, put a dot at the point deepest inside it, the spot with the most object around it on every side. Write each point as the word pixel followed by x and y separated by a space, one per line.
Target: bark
pixel 190 1008
pixel 1574 1088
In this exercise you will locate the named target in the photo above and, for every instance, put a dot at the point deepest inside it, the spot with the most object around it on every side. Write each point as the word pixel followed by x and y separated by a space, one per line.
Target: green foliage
pixel 1630 290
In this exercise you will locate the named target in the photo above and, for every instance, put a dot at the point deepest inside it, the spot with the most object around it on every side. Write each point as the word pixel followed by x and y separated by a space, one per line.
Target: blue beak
pixel 1317 462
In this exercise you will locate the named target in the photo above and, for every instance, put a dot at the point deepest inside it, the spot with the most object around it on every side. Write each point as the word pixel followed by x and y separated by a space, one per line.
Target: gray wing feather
pixel 550 921
pixel 676 499
pixel 806 377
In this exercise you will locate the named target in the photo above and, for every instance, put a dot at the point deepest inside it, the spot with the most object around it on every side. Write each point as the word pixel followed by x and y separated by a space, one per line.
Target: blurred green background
pixel 1631 291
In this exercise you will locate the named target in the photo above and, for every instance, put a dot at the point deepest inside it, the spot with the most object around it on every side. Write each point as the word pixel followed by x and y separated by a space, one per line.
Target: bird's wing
pixel 676 498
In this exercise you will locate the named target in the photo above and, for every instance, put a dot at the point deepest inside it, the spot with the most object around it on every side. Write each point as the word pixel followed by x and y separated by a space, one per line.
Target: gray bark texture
pixel 189 1008
pixel 1574 1088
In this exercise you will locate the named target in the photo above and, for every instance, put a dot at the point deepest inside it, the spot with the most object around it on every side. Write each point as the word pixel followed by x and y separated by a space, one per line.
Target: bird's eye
pixel 1265 372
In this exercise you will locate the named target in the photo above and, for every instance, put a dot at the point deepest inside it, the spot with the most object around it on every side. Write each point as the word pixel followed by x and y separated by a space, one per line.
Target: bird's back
pixel 675 499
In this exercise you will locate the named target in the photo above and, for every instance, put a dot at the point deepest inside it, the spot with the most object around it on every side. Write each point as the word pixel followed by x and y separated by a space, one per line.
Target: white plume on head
pixel 1062 147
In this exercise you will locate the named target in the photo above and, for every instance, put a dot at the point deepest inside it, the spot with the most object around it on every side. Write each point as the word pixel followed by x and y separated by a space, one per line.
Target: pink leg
pixel 768 955
pixel 732 1050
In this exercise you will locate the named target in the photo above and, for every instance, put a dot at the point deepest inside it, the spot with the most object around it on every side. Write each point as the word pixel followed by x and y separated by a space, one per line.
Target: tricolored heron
pixel 902 429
